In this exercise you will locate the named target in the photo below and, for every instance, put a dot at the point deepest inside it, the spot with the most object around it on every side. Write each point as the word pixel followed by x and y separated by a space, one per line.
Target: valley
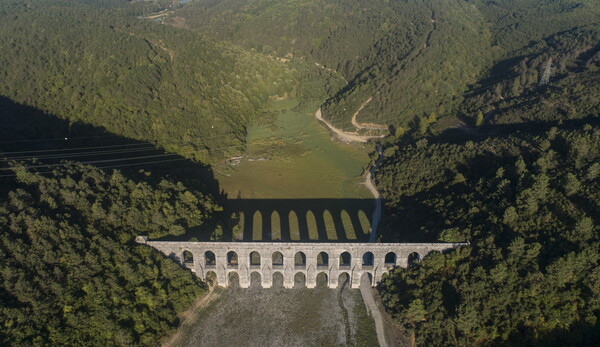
pixel 473 124
pixel 295 157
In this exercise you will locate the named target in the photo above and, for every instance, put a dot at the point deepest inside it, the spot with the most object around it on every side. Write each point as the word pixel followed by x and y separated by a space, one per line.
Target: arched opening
pixel 343 280
pixel 323 259
pixel 187 257
pixel 345 259
pixel 233 279
pixel 255 280
pixel 322 280
pixel 254 258
pixel 299 280
pixel 211 278
pixel 210 259
pixel 390 259
pixel 277 280
pixel 277 259
pixel 232 259
pixel 368 259
pixel 300 260
pixel 366 279
pixel 413 259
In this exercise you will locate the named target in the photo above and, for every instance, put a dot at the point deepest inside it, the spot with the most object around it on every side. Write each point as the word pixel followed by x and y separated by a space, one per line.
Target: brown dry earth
pixel 282 317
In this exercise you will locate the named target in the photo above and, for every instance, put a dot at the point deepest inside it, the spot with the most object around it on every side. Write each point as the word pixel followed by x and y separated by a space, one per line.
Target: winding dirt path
pixel 370 183
pixel 190 316
pixel 369 126
pixel 346 136
pixel 365 285
pixel 367 294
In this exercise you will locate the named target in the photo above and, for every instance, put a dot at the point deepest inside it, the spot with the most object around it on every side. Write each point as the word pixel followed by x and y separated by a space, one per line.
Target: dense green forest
pixel 70 273
pixel 480 151
pixel 518 24
pixel 525 195
pixel 511 93
pixel 529 207
pixel 410 57
pixel 413 58
pixel 138 79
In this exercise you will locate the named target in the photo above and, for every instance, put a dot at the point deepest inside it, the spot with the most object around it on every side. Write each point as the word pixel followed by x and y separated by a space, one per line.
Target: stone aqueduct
pixel 289 259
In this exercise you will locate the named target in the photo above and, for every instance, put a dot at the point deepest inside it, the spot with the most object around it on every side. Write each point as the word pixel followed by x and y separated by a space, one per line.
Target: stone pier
pixel 293 261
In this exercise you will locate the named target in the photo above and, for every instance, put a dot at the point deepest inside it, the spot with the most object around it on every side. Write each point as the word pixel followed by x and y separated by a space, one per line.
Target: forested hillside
pixel 422 67
pixel 512 94
pixel 524 194
pixel 136 78
pixel 527 202
pixel 518 24
pixel 529 207
pixel 481 151
pixel 69 271
pixel 410 57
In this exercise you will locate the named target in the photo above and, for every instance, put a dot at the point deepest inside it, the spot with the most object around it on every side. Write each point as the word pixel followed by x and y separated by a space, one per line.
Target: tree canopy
pixel 70 273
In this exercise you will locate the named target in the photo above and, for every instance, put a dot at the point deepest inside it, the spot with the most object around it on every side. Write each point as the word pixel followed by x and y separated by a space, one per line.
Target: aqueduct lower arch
pixel 378 255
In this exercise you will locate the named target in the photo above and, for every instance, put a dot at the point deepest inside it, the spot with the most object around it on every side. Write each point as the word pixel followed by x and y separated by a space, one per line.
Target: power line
pixel 59 139
pixel 84 150
pixel 91 162
pixel 263 131
pixel 111 166
pixel 547 73
pixel 80 154
pixel 75 149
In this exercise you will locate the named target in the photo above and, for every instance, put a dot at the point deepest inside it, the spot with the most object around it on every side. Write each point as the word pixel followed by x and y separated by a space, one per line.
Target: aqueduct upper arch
pixel 291 258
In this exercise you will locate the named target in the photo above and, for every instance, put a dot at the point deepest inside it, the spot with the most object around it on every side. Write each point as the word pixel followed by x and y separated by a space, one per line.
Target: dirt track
pixel 345 136
pixel 369 126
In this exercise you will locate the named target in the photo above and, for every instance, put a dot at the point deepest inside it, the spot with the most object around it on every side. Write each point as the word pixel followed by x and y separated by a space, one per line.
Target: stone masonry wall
pixel 361 262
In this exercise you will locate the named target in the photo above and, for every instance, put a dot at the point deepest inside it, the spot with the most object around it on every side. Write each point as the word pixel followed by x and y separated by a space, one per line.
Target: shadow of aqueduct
pixel 305 220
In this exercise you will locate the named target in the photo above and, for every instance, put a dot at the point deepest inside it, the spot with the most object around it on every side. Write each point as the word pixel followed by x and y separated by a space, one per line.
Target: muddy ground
pixel 281 317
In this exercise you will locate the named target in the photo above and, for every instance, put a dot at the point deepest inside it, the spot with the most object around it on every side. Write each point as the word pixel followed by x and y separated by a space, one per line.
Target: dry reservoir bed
pixel 282 317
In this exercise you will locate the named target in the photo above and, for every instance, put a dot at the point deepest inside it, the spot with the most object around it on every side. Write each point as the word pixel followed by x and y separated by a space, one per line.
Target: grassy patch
pixel 366 334
pixel 295 157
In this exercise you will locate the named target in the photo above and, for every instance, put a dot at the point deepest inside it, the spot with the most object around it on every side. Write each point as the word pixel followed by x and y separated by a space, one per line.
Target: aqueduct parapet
pixel 244 258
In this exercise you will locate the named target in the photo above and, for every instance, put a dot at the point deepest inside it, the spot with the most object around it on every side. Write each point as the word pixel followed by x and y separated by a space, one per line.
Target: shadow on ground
pixel 285 220
pixel 26 132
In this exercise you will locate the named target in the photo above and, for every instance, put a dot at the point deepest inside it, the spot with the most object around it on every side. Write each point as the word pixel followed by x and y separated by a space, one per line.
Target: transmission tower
pixel 547 72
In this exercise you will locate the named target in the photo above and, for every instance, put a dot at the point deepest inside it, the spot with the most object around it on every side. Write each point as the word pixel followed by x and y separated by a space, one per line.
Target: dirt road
pixel 190 316
pixel 346 136
pixel 373 189
pixel 365 285
pixel 373 310
pixel 369 126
